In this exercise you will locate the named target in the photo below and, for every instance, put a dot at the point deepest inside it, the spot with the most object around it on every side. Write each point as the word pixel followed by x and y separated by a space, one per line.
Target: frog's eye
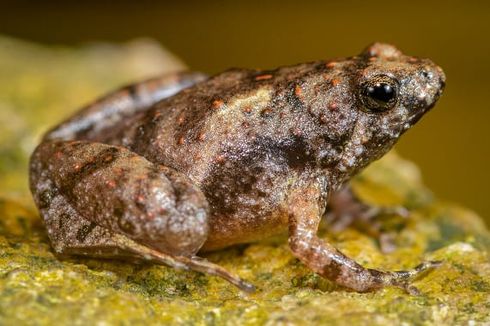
pixel 379 93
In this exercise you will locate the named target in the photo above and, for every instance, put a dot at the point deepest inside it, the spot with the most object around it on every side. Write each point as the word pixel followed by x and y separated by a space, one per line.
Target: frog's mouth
pixel 418 114
pixel 427 100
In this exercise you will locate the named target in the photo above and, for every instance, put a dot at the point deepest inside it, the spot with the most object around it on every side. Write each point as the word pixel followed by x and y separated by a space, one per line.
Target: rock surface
pixel 38 86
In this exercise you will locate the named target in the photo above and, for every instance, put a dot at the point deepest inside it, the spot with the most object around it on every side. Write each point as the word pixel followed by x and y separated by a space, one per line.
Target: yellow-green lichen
pixel 39 85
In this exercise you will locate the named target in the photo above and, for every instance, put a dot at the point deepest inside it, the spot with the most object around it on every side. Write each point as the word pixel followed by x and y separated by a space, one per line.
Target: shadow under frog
pixel 166 168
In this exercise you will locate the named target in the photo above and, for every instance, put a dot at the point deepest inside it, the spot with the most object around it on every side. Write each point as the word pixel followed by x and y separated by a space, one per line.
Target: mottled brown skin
pixel 176 165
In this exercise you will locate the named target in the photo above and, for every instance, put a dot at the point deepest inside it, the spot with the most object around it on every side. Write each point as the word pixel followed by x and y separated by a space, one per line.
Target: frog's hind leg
pixel 108 114
pixel 194 263
pixel 71 234
pixel 105 201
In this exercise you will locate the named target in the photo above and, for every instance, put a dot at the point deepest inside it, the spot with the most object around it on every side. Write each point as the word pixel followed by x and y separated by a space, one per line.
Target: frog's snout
pixel 440 76
pixel 434 79
pixel 424 89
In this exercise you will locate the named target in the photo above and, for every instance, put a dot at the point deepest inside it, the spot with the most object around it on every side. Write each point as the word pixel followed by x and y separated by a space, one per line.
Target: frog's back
pixel 234 112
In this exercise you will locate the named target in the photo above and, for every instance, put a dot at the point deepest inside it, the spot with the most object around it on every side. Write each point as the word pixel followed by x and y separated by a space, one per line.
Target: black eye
pixel 379 93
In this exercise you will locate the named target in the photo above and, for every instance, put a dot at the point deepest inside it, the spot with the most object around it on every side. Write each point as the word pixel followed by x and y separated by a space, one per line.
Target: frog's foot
pixel 194 263
pixel 94 241
pixel 382 223
pixel 72 234
pixel 403 279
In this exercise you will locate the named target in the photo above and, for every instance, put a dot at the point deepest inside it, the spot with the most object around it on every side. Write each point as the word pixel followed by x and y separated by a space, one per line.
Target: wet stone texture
pixel 39 86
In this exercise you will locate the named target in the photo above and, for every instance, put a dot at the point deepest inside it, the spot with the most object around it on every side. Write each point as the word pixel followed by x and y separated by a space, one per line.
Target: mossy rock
pixel 38 288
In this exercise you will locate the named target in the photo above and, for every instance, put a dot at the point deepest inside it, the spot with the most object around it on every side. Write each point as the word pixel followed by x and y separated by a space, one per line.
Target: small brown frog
pixel 181 164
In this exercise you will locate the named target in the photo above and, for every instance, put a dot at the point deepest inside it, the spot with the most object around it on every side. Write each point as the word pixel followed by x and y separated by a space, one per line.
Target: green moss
pixel 38 288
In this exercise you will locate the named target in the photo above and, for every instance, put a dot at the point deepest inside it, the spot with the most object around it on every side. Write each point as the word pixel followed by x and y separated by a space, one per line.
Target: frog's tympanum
pixel 181 164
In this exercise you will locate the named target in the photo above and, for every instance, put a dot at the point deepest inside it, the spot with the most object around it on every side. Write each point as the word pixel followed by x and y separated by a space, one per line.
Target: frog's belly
pixel 247 213
pixel 244 227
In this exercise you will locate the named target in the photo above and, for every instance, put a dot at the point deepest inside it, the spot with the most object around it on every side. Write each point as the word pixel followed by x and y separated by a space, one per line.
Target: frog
pixel 170 168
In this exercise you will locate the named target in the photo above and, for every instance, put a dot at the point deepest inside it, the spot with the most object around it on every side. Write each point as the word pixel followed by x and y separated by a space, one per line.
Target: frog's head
pixel 393 92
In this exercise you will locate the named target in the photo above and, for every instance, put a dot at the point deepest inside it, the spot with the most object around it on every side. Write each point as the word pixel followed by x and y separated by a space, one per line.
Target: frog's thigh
pixel 122 192
pixel 72 234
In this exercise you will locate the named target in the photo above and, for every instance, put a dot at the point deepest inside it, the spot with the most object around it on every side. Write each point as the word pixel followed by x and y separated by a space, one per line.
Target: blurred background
pixel 451 144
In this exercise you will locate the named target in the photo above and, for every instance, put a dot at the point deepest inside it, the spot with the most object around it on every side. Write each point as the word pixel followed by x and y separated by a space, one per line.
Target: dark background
pixel 450 144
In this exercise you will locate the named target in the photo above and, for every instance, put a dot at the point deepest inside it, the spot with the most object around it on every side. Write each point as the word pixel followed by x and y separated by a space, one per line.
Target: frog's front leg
pixel 106 201
pixel 304 218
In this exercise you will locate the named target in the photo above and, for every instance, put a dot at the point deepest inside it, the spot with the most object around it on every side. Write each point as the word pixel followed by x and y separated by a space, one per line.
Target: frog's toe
pixel 403 279
pixel 204 266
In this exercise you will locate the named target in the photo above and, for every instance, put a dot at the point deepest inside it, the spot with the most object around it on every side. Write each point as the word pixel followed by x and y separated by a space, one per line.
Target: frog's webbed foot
pixel 346 209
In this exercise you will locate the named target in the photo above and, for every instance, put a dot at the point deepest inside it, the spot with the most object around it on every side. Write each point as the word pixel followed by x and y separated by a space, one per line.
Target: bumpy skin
pixel 231 159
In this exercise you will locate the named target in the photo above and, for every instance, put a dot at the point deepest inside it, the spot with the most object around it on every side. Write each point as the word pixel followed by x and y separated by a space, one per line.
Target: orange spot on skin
pixel 77 167
pixel 180 119
pixel 111 183
pixel 180 141
pixel 247 109
pixel 201 136
pixel 373 58
pixel 413 60
pixel 220 159
pixel 332 106
pixel 58 155
pixel 217 104
pixel 298 91
pixel 245 124
pixel 335 82
pixel 330 64
pixel 140 199
pixel 263 77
